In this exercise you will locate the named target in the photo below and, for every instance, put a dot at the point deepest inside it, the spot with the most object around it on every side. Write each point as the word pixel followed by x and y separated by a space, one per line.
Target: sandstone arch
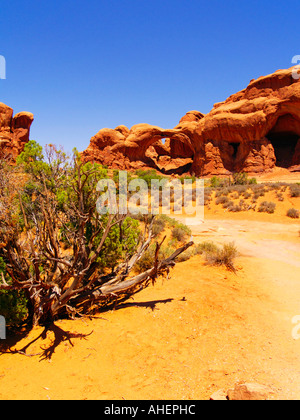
pixel 253 131
pixel 142 143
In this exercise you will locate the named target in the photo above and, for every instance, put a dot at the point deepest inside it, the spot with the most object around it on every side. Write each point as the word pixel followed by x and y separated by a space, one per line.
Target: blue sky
pixel 80 66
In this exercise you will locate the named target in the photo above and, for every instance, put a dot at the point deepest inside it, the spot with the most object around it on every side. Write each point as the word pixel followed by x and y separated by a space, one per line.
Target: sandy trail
pixel 203 329
pixel 277 241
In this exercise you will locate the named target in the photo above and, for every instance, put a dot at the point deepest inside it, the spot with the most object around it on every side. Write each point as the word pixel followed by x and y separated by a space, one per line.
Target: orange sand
pixel 278 175
pixel 213 211
pixel 203 329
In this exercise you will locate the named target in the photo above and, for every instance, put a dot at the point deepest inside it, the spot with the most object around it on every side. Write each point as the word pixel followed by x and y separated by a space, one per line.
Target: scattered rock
pixel 220 395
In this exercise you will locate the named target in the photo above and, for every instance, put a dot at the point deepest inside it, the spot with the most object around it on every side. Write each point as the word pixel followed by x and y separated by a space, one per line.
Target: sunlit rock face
pixel 254 130
pixel 14 131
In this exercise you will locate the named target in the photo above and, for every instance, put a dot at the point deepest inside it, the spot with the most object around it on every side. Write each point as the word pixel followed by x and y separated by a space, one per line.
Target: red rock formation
pixel 14 131
pixel 252 131
pixel 192 116
pixel 262 123
pixel 140 146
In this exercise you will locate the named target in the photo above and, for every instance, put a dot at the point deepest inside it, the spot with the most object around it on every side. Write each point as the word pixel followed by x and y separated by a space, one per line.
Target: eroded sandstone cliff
pixel 253 131
pixel 14 131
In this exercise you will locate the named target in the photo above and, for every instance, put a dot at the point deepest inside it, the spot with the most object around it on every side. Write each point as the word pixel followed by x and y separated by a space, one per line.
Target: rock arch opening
pixel 284 144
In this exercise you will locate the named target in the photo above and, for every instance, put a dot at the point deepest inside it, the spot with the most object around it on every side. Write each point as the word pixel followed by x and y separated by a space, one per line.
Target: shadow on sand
pixel 151 304
pixel 59 336
pixel 8 346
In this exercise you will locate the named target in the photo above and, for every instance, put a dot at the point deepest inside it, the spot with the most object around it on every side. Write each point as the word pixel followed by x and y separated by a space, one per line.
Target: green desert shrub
pixel 252 181
pixel 13 303
pixel 216 182
pixel 159 225
pixel 204 247
pixel 180 233
pixel 235 208
pixel 121 241
pixel 187 178
pixel 222 256
pixel 240 178
pixel 173 223
pixel 147 259
pixel 148 175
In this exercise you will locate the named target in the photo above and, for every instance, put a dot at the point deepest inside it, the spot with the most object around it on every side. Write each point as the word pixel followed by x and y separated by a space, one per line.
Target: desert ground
pixel 202 329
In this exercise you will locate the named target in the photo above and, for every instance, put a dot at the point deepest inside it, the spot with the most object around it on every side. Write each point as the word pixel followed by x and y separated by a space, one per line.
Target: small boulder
pixel 244 392
pixel 250 392
pixel 220 395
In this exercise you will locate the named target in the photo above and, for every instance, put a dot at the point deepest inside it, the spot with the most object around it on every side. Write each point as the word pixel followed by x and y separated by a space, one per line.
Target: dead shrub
pixel 222 200
pixel 295 190
pixel 293 213
pixel 267 207
pixel 186 255
pixel 223 256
